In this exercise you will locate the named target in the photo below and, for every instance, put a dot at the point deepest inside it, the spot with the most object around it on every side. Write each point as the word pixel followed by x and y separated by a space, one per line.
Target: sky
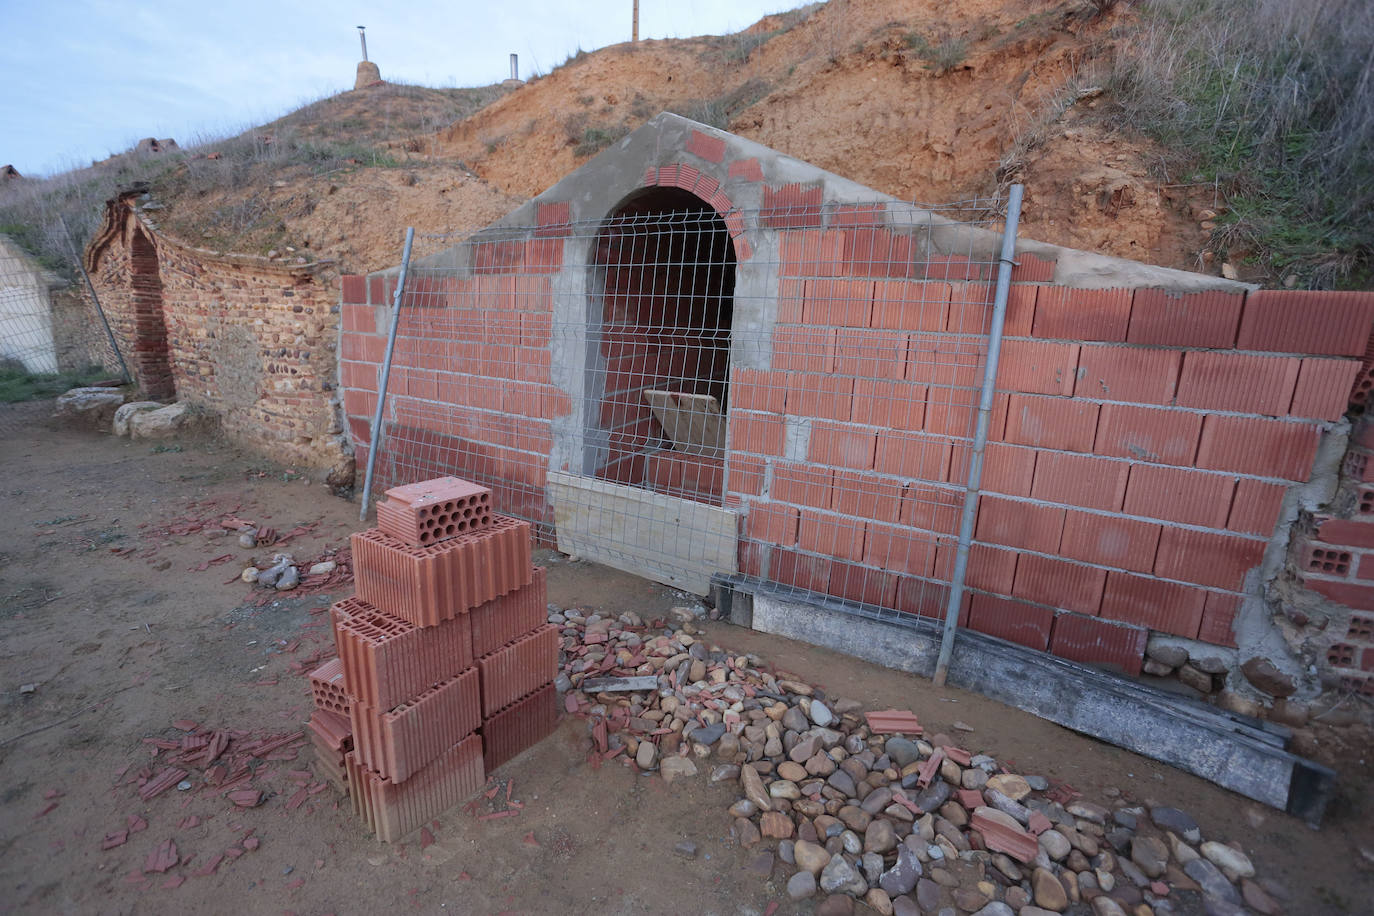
pixel 87 78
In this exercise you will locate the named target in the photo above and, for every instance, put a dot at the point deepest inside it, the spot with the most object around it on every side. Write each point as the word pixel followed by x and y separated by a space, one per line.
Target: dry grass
pixel 1274 101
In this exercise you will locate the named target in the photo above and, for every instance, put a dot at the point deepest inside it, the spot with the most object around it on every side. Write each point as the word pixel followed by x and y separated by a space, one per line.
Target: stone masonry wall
pixel 249 341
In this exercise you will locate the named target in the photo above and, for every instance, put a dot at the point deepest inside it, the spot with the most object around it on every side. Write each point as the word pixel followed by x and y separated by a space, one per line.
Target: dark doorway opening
pixel 664 267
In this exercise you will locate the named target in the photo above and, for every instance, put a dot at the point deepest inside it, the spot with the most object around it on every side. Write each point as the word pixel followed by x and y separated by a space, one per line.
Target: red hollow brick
pixel 353 289
pixel 1165 318
pixel 772 523
pixel 398 743
pixel 989 568
pixel 871 354
pixel 1079 480
pixel 1014 621
pixel 759 433
pixel 843 303
pixel 1058 583
pixel 1180 495
pixel 804 349
pixel 907 305
pixel 1082 314
pixel 519 726
pixel 329 690
pixel 511 616
pixel 758 389
pixel 1356 532
pixel 971 309
pixel 1324 388
pixel 433 510
pixel 1007 469
pixel 859 584
pixel 1031 268
pixel 842 445
pixel 393 810
pixel 1057 423
pixel 1134 374
pixel 746 169
pixel 865 495
pixel 1153 603
pixel 518 668
pixel 832 535
pixel 708 147
pixel 1238 381
pixel 1218 616
pixel 1256 506
pixel 1019 524
pixel 824 396
pixel 809 253
pixel 798 570
pixel 427 585
pixel 1109 541
pixel 1298 321
pixel 1147 434
pixel 912 455
pixel 1037 367
pixel 802 484
pixel 1097 642
pixel 885 403
pixel 899 549
pixel 1206 558
pixel 931 508
pixel 1265 448
pixel 387 660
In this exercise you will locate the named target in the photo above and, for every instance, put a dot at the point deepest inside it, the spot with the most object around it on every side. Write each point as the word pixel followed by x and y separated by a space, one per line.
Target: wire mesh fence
pixel 798 407
pixel 52 337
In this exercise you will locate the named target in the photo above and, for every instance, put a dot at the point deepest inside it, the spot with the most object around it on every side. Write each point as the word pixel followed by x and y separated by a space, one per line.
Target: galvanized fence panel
pixel 808 397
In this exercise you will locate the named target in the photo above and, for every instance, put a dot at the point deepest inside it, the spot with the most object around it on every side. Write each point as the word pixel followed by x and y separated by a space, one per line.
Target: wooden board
pixel 674 541
pixel 692 421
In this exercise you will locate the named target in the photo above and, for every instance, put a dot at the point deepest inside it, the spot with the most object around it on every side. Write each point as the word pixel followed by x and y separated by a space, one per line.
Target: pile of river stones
pixel 845 816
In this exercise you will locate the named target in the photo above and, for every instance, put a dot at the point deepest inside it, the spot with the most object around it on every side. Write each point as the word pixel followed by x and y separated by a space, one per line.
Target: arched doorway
pixel 151 362
pixel 663 283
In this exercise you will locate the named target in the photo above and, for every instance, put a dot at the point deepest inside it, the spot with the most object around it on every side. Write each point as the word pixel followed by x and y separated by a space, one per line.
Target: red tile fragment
pixel 893 721
pixel 50 794
pixel 45 810
pixel 172 883
pixel 185 725
pixel 117 838
pixel 162 858
pixel 426 838
pixel 1038 823
pixel 957 754
pixel 970 798
pixel 251 843
pixel 999 837
pixel 246 798
pixel 135 823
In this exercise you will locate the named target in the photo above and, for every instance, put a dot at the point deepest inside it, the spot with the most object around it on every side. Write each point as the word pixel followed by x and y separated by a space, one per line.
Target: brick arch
pixel 692 180
pixel 152 361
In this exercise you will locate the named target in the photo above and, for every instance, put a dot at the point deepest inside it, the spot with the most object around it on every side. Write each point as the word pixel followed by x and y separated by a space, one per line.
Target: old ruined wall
pixel 1164 447
pixel 249 341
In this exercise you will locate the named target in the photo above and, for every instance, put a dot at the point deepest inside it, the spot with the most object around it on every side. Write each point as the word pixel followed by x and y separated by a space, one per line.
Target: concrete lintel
pixel 1237 753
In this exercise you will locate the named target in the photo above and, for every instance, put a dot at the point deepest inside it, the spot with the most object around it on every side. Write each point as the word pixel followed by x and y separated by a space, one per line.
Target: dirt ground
pixel 124 627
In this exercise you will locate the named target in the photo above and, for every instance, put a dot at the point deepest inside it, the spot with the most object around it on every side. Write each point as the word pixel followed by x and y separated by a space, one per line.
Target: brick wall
pixel 1149 451
pixel 249 341
pixel 471 387
pixel 1141 446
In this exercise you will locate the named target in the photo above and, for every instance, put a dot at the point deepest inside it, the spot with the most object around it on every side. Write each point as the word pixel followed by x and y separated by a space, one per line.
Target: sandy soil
pixel 121 643
pixel 858 87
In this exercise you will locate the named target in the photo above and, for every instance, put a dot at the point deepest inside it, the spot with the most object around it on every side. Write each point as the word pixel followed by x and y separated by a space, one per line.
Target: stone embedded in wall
pixel 1266 677
pixel 246 341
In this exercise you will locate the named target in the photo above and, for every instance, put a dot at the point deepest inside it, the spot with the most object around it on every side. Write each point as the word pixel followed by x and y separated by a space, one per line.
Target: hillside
pixel 923 100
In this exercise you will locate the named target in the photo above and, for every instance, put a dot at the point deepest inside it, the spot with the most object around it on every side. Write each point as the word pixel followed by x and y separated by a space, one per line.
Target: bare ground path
pixel 113 606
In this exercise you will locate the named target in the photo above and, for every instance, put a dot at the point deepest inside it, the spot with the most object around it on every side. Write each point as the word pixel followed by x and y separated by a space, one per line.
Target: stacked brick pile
pixel 446 661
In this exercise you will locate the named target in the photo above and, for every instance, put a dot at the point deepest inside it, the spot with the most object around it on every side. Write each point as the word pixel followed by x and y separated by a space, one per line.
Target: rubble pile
pixel 850 807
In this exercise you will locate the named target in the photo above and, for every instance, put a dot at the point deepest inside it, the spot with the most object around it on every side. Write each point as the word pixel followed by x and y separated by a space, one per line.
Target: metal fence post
pixel 90 287
pixel 377 429
pixel 980 436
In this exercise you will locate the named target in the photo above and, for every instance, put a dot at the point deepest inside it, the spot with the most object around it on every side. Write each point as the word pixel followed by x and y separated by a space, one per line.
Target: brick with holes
pixel 434 510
